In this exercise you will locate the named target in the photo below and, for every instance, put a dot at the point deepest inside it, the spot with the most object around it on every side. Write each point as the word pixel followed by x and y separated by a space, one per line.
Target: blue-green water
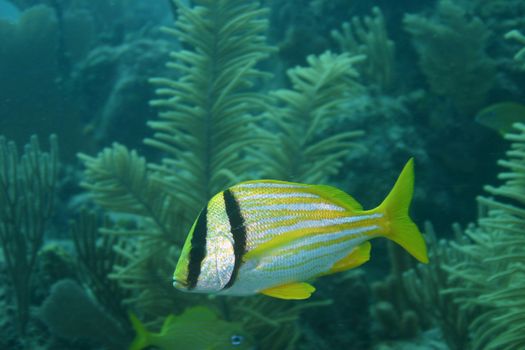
pixel 143 111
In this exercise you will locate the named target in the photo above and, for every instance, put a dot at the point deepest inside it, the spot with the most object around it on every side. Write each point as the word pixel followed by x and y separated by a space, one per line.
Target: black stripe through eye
pixel 198 249
pixel 238 231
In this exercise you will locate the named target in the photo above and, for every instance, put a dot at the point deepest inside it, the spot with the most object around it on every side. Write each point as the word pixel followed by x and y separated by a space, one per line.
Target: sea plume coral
pixel 27 199
pixel 491 276
pixel 444 43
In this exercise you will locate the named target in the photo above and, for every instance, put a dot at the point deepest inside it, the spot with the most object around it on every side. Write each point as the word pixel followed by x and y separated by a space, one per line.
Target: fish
pixel 197 328
pixel 272 237
pixel 501 116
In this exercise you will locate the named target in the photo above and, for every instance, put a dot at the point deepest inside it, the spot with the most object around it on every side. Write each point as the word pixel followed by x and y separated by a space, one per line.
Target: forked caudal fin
pixel 142 338
pixel 403 230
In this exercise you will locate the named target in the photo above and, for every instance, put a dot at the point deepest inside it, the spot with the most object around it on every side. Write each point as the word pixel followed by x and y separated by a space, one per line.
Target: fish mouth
pixel 179 284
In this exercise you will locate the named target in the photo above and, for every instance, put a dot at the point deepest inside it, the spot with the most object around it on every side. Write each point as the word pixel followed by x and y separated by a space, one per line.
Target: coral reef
pixel 113 82
pixel 491 278
pixel 28 53
pixel 368 36
pixel 253 91
pixel 349 315
pixel 207 130
pixel 27 198
pixel 519 57
pixel 471 290
pixel 208 116
pixel 303 116
pixel 500 15
pixel 96 260
pixel 84 319
pixel 396 316
pixel 444 43
pixel 430 289
pixel 121 183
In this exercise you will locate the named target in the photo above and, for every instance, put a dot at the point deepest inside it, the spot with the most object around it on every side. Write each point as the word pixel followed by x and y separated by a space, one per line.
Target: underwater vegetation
pixel 146 125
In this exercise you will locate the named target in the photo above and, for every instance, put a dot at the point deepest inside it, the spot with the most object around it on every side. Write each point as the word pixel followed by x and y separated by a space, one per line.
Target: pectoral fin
pixel 297 291
pixel 358 256
pixel 266 248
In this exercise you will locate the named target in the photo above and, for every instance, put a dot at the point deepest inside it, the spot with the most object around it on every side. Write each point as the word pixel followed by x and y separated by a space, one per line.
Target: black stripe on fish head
pixel 198 249
pixel 238 230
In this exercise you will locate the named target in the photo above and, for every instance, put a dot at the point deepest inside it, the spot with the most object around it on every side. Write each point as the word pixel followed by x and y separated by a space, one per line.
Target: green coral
pixel 208 115
pixel 445 44
pixel 426 286
pixel 211 134
pixel 488 281
pixel 27 199
pixel 368 36
pixel 519 57
pixel 472 289
pixel 398 317
pixel 96 260
pixel 120 182
pixel 304 114
pixel 28 54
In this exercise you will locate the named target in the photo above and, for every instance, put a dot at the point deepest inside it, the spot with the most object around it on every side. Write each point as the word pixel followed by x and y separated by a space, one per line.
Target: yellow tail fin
pixel 403 230
pixel 142 338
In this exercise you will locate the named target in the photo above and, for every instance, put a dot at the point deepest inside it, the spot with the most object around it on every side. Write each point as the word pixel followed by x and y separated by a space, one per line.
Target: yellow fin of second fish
pixel 143 337
pixel 297 291
pixel 357 257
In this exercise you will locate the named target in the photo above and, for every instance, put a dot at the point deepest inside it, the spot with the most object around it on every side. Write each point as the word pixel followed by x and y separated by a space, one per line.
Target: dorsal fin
pixel 326 191
pixel 337 196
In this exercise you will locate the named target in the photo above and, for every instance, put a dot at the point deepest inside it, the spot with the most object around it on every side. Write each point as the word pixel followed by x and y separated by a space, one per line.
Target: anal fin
pixel 297 291
pixel 358 256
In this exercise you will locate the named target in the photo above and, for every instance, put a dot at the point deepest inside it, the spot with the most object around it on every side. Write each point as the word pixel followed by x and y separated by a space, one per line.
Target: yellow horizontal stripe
pixel 289 236
pixel 302 263
pixel 309 251
pixel 367 231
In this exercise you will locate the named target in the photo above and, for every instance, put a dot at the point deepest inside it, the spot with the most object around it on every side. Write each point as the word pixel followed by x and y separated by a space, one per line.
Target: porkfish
pixel 271 237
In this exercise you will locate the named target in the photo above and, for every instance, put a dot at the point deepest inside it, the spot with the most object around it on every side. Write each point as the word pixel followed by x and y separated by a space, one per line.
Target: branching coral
pixel 396 315
pixel 207 122
pixel 204 129
pixel 452 55
pixel 368 36
pixel 473 288
pixel 120 182
pixel 90 322
pixel 429 289
pixel 500 15
pixel 519 57
pixel 491 277
pixel 304 153
pixel 207 131
pixel 27 198
pixel 276 323
pixel 97 259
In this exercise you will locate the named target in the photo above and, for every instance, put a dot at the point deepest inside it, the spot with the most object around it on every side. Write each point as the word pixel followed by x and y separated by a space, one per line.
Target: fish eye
pixel 236 340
